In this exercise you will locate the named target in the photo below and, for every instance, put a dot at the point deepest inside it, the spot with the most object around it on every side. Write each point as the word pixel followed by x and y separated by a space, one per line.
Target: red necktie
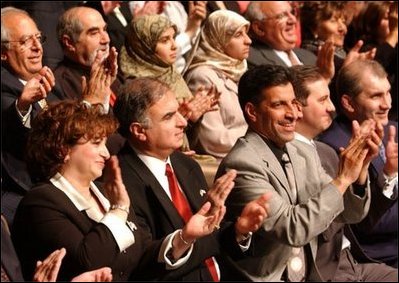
pixel 112 99
pixel 182 206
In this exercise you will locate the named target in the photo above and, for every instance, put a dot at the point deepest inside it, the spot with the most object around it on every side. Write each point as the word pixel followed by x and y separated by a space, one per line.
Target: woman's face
pixel 333 29
pixel 166 48
pixel 86 159
pixel 383 28
pixel 238 46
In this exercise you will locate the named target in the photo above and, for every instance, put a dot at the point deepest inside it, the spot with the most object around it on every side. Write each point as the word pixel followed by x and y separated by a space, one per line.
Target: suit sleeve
pixel 295 225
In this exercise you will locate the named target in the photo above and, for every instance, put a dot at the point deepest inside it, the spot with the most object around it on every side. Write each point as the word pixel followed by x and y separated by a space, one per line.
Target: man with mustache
pixel 364 92
pixel 304 199
pixel 83 35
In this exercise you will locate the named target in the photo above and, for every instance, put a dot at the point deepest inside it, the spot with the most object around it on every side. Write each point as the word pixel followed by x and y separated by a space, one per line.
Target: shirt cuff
pixel 24 115
pixel 166 249
pixel 246 243
pixel 105 105
pixel 390 186
pixel 122 233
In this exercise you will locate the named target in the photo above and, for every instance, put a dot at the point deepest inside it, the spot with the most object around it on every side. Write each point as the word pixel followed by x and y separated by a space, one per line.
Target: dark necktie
pixel 182 206
pixel 296 264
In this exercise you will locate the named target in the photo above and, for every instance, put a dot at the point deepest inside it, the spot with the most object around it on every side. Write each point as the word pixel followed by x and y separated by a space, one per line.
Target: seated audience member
pixel 339 256
pixel 188 22
pixel 273 30
pixel 117 15
pixel 220 61
pixel 325 23
pixel 46 14
pixel 83 35
pixel 150 51
pixel 166 186
pixel 46 270
pixel 321 22
pixel 379 30
pixel 364 92
pixel 66 150
pixel 304 199
pixel 26 87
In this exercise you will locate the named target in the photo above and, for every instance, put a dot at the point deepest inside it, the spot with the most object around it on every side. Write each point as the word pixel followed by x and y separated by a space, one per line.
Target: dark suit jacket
pixel 9 258
pixel 160 216
pixel 330 241
pixel 260 54
pixel 47 220
pixel 68 76
pixel 377 233
pixel 15 178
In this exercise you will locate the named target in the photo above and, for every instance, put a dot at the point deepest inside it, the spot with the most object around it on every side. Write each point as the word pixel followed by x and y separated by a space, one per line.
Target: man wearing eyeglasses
pixel 273 30
pixel 26 87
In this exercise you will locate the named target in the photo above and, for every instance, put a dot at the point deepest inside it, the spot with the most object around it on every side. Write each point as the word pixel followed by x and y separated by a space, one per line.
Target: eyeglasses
pixel 283 15
pixel 27 41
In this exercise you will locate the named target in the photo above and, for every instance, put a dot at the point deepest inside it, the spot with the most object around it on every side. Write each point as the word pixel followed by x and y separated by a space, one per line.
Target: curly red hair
pixel 58 128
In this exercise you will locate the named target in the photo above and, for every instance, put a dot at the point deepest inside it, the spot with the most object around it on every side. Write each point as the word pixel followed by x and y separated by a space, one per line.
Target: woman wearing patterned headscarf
pixel 220 60
pixel 150 51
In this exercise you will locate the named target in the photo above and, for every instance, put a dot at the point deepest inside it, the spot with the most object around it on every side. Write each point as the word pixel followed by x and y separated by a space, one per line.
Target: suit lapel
pixel 299 167
pixel 151 183
pixel 270 161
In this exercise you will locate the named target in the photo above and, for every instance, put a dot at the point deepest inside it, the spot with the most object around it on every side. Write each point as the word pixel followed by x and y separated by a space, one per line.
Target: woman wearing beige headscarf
pixel 150 51
pixel 220 60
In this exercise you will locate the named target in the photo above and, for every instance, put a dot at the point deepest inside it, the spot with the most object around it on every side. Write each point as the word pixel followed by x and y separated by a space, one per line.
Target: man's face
pixel 94 37
pixel 25 56
pixel 317 114
pixel 374 101
pixel 278 28
pixel 275 116
pixel 166 126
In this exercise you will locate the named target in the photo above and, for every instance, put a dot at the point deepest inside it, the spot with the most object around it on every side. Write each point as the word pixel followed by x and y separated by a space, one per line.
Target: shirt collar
pixel 77 199
pixel 304 139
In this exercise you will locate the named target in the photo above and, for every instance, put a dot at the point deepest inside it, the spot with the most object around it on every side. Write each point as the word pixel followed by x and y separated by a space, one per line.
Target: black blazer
pixel 46 220
pixel 377 233
pixel 15 177
pixel 260 54
pixel 157 211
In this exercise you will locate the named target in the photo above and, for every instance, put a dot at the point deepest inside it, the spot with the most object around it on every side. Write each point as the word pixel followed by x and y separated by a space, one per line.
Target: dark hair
pixel 134 99
pixel 370 20
pixel 58 128
pixel 259 78
pixel 313 13
pixel 302 75
pixel 349 76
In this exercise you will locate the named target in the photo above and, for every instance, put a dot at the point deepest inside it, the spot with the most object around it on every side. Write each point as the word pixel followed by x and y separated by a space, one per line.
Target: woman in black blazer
pixel 67 152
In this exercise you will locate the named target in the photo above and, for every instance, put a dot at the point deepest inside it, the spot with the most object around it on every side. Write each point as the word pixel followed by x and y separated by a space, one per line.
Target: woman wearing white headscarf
pixel 220 60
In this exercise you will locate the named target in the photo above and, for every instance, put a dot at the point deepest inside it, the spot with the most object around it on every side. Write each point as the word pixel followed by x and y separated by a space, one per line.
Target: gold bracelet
pixel 125 208
pixel 184 241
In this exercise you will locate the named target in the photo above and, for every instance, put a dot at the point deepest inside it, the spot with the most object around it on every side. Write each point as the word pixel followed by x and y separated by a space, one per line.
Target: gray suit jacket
pixel 260 54
pixel 288 224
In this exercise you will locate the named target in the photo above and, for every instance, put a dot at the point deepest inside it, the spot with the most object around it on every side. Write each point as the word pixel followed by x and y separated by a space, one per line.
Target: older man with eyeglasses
pixel 26 86
pixel 274 35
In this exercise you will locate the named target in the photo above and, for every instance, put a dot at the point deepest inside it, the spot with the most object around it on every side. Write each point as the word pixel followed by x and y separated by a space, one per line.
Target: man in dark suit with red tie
pixel 166 187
